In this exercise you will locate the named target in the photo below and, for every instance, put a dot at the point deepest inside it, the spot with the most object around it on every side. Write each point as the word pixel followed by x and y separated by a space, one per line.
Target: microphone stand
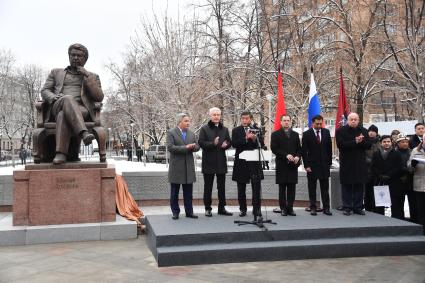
pixel 258 221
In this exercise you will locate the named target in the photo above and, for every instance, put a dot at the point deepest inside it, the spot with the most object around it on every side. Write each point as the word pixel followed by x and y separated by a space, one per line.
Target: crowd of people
pixel 399 162
pixel 366 160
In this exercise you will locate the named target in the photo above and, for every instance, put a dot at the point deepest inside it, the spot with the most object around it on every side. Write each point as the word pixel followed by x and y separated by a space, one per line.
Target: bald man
pixel 352 141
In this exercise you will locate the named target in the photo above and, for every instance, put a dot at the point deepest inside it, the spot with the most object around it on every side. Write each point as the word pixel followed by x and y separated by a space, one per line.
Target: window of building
pixel 375 118
pixel 329 122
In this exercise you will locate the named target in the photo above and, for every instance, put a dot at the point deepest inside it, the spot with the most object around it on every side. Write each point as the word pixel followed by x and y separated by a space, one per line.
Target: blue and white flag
pixel 313 101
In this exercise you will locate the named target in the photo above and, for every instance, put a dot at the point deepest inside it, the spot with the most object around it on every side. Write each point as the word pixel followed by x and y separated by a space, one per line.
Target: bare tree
pixel 407 47
pixel 6 70
pixel 30 78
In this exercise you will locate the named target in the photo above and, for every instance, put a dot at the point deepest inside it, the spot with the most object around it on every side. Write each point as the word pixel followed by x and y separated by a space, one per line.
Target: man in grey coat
pixel 181 143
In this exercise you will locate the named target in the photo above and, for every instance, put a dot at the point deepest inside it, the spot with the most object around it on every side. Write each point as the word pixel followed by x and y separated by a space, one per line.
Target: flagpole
pixel 270 98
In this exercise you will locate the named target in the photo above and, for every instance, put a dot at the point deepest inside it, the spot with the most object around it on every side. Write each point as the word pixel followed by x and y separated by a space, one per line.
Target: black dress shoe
pixel 175 216
pixel 191 216
pixel 359 212
pixel 327 212
pixel 258 217
pixel 208 213
pixel 283 212
pixel 224 212
pixel 242 213
pixel 347 212
pixel 291 212
pixel 313 211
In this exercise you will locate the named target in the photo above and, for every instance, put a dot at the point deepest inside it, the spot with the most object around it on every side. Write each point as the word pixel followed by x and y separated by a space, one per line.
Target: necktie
pixel 318 136
pixel 184 135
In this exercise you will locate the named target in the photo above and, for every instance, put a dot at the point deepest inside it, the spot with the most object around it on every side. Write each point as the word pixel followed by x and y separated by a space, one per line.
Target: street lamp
pixel 132 141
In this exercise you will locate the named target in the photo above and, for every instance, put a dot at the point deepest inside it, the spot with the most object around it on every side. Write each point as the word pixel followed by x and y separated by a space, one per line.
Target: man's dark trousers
pixel 324 191
pixel 187 198
pixel 352 196
pixel 208 186
pixel 256 196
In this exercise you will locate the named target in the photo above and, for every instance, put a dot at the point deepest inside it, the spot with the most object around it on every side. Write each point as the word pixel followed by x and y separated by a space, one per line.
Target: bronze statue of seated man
pixel 70 94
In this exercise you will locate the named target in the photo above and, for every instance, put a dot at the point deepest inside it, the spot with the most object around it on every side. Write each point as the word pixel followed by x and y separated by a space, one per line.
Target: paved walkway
pixel 131 261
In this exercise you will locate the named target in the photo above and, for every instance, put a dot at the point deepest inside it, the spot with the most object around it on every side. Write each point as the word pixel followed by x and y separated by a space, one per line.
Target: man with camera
pixel 247 137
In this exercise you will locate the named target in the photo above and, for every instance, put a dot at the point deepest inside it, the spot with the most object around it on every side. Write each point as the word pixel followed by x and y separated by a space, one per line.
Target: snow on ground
pixel 8 170
pixel 120 166
pixel 128 166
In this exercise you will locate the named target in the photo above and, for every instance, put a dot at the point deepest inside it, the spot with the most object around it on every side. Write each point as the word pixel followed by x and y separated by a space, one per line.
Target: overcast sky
pixel 40 31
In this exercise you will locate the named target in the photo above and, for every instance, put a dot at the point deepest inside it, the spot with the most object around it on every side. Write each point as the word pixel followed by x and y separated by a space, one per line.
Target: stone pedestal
pixel 72 193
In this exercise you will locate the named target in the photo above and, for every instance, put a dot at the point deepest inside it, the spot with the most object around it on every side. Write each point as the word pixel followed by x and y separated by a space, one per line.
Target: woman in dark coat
pixel 285 144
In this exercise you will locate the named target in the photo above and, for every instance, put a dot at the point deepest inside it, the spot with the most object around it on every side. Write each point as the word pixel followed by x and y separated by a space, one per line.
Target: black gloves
pixel 414 162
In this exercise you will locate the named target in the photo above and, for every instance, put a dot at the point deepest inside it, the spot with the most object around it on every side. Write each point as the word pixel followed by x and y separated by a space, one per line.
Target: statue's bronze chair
pixel 44 143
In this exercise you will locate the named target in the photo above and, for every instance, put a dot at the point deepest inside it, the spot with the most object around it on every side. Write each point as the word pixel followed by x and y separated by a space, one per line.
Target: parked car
pixel 156 153
pixel 5 155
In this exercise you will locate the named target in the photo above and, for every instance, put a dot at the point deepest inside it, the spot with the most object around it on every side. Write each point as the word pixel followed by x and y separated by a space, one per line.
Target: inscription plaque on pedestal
pixel 63 196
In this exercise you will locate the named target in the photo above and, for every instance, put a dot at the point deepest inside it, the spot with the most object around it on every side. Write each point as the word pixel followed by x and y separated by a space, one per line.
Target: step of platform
pixel 290 250
pixel 121 229
pixel 219 240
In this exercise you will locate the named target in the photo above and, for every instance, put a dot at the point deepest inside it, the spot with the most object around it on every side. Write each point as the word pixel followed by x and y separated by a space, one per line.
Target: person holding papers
pixel 386 170
pixel 417 161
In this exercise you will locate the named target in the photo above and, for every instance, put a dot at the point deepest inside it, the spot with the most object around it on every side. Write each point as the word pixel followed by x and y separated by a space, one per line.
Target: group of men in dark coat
pixel 214 139
pixel 315 151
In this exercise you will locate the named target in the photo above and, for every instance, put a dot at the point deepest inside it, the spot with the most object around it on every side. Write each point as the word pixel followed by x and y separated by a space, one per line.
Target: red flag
pixel 343 110
pixel 280 108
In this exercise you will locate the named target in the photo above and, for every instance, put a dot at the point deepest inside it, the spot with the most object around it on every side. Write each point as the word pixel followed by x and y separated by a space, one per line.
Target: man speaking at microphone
pixel 245 137
pixel 214 139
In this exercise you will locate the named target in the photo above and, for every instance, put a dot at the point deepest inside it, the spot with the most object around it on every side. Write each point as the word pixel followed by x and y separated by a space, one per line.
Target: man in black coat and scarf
pixel 386 170
pixel 317 158
pixel 285 144
pixel 214 139
pixel 246 137
pixel 352 141
pixel 369 197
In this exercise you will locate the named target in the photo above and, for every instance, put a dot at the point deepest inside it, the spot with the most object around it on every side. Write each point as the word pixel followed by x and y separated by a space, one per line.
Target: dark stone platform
pixel 218 240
